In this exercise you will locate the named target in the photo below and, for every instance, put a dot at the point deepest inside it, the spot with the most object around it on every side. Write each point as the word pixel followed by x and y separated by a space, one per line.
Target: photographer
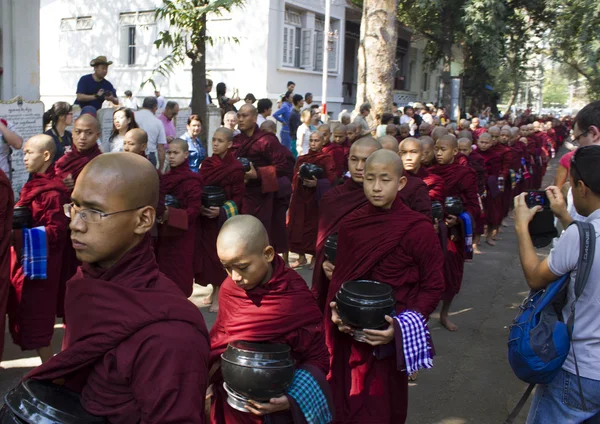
pixel 93 89
pixel 560 401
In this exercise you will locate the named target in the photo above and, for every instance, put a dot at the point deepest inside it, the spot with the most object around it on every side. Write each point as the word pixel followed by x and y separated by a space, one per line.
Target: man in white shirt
pixel 308 101
pixel 157 140
pixel 129 101
pixel 9 137
pixel 265 109
pixel 160 100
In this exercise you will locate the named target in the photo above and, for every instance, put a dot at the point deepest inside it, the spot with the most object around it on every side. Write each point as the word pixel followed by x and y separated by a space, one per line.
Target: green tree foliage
pixel 556 89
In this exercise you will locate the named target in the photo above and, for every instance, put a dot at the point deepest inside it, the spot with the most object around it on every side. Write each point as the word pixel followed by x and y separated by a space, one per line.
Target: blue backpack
pixel 539 340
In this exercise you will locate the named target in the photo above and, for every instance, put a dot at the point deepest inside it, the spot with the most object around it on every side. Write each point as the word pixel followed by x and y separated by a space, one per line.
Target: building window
pixel 138 32
pixel 303 41
pixel 80 23
pixel 425 81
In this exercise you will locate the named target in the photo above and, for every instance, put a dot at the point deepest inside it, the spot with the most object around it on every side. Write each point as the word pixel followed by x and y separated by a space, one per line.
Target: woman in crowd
pixel 226 103
pixel 197 152
pixel 123 121
pixel 60 116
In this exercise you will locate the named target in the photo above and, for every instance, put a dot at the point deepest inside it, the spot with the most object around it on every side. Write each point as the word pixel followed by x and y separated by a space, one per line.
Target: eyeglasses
pixel 575 140
pixel 90 215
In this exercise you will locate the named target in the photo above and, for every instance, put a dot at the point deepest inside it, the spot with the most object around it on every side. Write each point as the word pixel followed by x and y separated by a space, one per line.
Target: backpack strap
pixel 517 410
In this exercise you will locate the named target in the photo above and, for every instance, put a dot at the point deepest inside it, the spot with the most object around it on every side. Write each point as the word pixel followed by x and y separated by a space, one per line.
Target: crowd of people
pixel 113 241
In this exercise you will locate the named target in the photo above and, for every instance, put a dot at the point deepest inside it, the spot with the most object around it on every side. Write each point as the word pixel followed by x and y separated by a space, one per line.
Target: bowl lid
pixel 212 190
pixel 258 347
pixel 44 402
pixel 367 289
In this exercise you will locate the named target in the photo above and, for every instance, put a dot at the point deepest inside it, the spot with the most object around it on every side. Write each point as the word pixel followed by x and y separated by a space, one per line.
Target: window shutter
pixel 332 61
pixel 124 44
pixel 318 50
pixel 306 49
pixel 289 33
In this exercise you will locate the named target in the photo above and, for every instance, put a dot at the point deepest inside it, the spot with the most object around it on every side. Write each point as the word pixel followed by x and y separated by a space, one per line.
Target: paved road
pixel 471 381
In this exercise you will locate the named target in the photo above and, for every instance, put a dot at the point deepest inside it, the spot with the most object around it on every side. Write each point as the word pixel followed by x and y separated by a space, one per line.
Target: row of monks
pixel 138 351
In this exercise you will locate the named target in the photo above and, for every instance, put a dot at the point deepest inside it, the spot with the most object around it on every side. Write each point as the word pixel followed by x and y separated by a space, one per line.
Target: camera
pixel 535 198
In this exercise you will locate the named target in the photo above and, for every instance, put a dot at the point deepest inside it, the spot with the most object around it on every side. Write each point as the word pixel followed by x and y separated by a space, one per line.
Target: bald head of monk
pixel 222 141
pixel 494 132
pixel 391 130
pixel 446 149
pixel 326 131
pixel 439 132
pixel 465 134
pixel 389 143
pixel 247 116
pixel 404 131
pixel 428 147
pixel 384 178
pixel 340 133
pixel 425 128
pixel 411 154
pixel 178 153
pixel 464 146
pixel 114 202
pixel 136 141
pixel 86 132
pixel 484 142
pixel 269 126
pixel 505 136
pixel 38 153
pixel 353 132
pixel 360 150
pixel 244 250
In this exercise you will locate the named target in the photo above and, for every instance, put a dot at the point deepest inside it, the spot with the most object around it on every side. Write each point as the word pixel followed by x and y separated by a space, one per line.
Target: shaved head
pixel 485 136
pixel 464 142
pixel 465 134
pixel 450 140
pixel 89 119
pixel 367 142
pixel 323 127
pixel 139 135
pixel 269 126
pixel 43 143
pixel 226 132
pixel 494 130
pixel 385 157
pixel 411 141
pixel 244 232
pixel 352 127
pixel 427 141
pixel 389 143
pixel 439 132
pixel 341 128
pixel 247 108
pixel 182 144
pixel 38 153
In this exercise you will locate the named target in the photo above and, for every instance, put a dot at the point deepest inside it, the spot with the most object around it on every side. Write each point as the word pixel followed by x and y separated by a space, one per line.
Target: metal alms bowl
pixel 365 303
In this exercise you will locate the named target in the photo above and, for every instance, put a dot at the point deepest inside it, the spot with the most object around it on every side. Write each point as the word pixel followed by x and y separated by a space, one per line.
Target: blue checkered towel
pixel 415 340
pixel 35 253
pixel 308 395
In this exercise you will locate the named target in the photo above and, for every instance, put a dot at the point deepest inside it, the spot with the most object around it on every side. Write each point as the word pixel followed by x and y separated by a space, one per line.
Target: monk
pixel 461 181
pixel 428 157
pixel 268 126
pixel 177 232
pixel 477 163
pixel 439 132
pixel 403 131
pixel 269 180
pixel 33 300
pixel 391 130
pixel 334 206
pixel 411 152
pixel 264 301
pixel 223 170
pixel 354 131
pixel 325 129
pixel 336 151
pixel 476 129
pixel 304 207
pixel 7 201
pixel 366 377
pixel 389 143
pixel 493 201
pixel 507 158
pixel 135 348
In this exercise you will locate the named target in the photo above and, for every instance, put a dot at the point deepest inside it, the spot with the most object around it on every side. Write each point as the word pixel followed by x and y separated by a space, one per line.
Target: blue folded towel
pixel 35 253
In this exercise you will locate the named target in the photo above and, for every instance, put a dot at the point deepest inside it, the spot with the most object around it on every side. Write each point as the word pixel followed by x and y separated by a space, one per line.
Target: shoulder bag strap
pixel 517 410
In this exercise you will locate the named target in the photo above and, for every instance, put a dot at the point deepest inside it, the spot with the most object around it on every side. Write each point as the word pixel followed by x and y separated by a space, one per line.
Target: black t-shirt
pixel 88 85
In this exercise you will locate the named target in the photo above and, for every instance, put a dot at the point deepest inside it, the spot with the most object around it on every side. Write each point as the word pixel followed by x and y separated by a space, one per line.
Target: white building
pixel 279 41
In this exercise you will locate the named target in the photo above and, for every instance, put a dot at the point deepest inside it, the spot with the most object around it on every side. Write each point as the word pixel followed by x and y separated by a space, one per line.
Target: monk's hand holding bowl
pixel 380 337
pixel 335 318
pixel 310 182
pixel 275 405
pixel 212 212
pixel 328 268
pixel 451 221
pixel 69 182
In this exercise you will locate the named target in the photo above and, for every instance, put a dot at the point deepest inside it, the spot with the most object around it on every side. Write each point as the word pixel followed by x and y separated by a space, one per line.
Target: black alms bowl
pixel 454 206
pixel 365 303
pixel 437 210
pixel 213 196
pixel 331 247
pixel 245 163
pixel 258 371
pixel 43 402
pixel 172 201
pixel 21 218
pixel 310 170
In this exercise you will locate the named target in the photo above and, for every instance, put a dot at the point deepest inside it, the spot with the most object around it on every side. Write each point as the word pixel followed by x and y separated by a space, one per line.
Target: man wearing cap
pixel 93 89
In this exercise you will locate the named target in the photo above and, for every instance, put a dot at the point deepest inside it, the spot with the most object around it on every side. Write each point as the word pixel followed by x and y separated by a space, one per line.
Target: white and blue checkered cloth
pixel 312 402
pixel 35 253
pixel 416 341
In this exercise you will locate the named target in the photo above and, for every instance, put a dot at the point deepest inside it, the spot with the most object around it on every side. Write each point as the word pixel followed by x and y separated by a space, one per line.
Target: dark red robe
pixel 7 201
pixel 135 347
pixel 435 184
pixel 337 153
pixel 267 197
pixel 461 181
pixel 493 199
pixel 415 195
pixel 477 163
pixel 228 174
pixel 177 237
pixel 461 159
pixel 282 310
pixel 507 156
pixel 477 132
pixel 304 208
pixel 335 205
pixel 405 254
pixel 32 304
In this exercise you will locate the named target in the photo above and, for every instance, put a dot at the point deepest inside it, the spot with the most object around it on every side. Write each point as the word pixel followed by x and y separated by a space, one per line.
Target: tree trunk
pixel 377 55
pixel 199 84
pixel 515 92
pixel 447 73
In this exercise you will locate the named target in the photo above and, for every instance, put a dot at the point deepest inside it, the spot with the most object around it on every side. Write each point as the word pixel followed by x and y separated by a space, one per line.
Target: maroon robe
pixel 477 163
pixel 461 159
pixel 282 310
pixel 435 184
pixel 477 132
pixel 135 347
pixel 304 208
pixel 507 156
pixel 493 199
pixel 6 215
pixel 177 237
pixel 32 304
pixel 334 206
pixel 337 152
pixel 461 181
pixel 415 195
pixel 228 174
pixel 267 197
pixel 405 254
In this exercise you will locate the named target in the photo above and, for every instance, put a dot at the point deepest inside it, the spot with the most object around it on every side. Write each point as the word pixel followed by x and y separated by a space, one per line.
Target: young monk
pixel 267 126
pixel 460 181
pixel 304 207
pixel 428 157
pixel 325 129
pixel 389 143
pixel 411 152
pixel 493 201
pixel 439 132
pixel 269 181
pixel 507 158
pixel 391 130
pixel 32 304
pixel 136 141
pixel 334 206
pixel 404 131
pixel 264 301
pixel 177 232
pixel 223 170
pixel 366 378
pixel 477 163
pixel 336 151
pixel 353 132
pixel 134 346
pixel 6 213
pixel 425 129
